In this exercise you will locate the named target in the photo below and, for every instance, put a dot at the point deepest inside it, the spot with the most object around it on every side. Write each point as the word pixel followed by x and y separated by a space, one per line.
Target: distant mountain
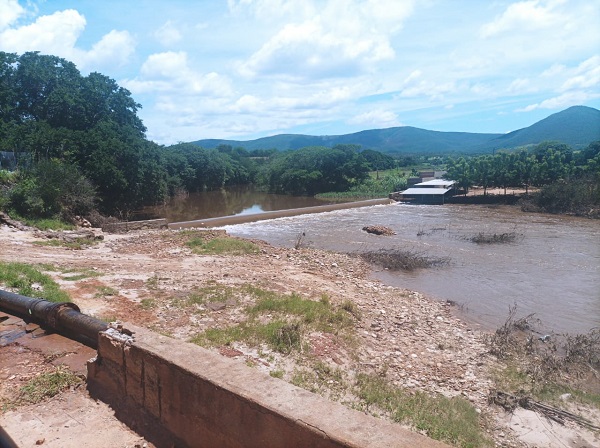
pixel 576 126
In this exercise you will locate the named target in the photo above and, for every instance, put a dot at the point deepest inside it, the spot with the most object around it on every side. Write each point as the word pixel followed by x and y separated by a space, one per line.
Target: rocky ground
pixel 413 341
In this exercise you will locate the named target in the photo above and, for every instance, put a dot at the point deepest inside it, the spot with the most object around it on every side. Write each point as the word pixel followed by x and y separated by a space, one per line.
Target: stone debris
pixel 379 230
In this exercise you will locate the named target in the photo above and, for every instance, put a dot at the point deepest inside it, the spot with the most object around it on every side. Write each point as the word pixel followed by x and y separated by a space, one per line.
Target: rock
pixel 379 230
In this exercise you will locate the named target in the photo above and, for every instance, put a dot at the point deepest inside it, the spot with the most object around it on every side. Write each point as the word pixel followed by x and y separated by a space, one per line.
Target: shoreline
pixel 147 278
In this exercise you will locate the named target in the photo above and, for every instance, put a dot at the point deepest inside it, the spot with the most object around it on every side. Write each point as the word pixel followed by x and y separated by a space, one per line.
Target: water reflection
pixel 226 202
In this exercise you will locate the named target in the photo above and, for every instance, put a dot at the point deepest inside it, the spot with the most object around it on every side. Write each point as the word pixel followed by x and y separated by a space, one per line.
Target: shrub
pixel 52 188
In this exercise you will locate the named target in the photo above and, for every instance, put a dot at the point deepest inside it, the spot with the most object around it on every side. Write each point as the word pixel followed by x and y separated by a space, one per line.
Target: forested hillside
pixel 576 126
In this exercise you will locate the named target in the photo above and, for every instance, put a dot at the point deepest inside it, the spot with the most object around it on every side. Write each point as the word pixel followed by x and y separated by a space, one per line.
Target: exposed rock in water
pixel 379 230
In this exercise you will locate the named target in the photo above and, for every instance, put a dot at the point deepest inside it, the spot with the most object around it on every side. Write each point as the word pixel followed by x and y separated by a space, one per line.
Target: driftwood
pixel 379 230
pixel 511 402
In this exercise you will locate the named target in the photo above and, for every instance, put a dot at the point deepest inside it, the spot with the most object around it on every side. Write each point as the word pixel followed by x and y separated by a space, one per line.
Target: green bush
pixel 52 188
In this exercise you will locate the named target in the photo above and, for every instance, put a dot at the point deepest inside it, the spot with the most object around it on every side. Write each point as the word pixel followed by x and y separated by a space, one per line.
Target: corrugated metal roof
pixel 436 182
pixel 426 191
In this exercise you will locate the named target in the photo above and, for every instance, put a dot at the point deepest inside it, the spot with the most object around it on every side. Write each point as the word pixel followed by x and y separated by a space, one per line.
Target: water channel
pixel 552 269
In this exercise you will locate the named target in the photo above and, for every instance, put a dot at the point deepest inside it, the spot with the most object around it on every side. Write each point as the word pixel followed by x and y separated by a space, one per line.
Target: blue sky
pixel 244 69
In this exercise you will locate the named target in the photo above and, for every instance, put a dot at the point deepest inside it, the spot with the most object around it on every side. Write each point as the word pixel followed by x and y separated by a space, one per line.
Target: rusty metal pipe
pixel 64 317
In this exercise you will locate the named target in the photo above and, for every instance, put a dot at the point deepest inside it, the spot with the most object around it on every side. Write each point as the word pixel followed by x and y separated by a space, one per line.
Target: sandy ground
pixel 416 342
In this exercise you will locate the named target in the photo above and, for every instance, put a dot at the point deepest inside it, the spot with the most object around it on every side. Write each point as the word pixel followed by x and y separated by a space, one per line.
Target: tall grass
pixel 452 420
pixel 278 320
pixel 28 281
pixel 220 246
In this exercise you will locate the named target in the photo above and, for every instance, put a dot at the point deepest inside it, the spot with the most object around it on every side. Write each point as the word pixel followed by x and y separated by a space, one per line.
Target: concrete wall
pixel 179 394
pixel 124 227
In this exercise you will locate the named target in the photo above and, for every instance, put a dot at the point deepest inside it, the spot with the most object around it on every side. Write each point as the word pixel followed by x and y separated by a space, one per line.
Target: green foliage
pixel 30 282
pixel 49 111
pixel 579 196
pixel 452 420
pixel 280 321
pixel 51 189
pixel 220 246
pixel 313 170
pixel 47 385
pixel 43 223
pixel 378 160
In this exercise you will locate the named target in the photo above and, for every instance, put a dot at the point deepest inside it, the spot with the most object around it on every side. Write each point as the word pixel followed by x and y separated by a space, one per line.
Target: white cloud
pixel 168 34
pixel 114 49
pixel 169 72
pixel 416 85
pixel 525 15
pixel 53 34
pixel 343 38
pixel 57 34
pixel 10 11
pixel 378 118
pixel 585 76
pixel 562 101
pixel 520 86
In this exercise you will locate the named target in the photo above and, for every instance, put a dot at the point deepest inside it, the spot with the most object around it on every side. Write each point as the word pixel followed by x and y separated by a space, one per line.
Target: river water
pixel 552 269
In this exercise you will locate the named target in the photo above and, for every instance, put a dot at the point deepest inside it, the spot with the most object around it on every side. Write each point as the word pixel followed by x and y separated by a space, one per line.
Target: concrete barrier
pixel 179 395
pixel 241 219
pixel 123 227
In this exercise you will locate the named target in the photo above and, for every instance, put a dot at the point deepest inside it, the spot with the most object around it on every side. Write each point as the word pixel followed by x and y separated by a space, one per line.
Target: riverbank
pixel 154 279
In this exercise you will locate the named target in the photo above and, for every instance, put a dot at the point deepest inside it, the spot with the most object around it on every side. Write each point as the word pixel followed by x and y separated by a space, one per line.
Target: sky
pixel 244 69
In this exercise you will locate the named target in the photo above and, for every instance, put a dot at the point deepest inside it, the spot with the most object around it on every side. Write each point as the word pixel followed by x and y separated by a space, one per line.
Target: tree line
pixel 568 181
pixel 544 164
pixel 79 145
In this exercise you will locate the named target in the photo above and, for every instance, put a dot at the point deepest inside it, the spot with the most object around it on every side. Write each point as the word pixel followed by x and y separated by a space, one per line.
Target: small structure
pixel 434 191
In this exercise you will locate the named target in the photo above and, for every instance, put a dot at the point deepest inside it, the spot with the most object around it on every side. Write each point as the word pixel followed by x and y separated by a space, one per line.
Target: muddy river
pixel 552 269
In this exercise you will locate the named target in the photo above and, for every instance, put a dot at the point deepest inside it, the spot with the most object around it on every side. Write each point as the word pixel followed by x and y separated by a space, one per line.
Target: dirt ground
pixel 416 342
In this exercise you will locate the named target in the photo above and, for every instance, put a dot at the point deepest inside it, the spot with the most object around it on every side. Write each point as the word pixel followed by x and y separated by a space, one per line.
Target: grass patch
pixel 29 281
pixel 76 244
pixel 322 379
pixel 47 385
pixel 321 315
pixel 222 246
pixel 451 420
pixel 148 304
pixel 277 320
pixel 403 260
pixel 73 275
pixel 279 335
pixel 69 274
pixel 106 291
pixel 278 373
pixel 43 223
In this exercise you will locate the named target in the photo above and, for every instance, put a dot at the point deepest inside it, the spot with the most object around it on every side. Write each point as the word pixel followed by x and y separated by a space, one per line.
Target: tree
pixel 504 170
pixel 525 168
pixel 483 172
pixel 460 171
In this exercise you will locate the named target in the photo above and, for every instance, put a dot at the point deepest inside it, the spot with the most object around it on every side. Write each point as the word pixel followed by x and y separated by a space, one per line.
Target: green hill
pixel 576 126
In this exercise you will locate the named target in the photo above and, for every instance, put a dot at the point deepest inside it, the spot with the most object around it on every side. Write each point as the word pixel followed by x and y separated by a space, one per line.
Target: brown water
pixel 553 270
pixel 233 201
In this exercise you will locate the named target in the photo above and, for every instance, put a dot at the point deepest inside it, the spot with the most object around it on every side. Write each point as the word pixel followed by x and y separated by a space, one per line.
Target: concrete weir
pixel 241 219
pixel 180 395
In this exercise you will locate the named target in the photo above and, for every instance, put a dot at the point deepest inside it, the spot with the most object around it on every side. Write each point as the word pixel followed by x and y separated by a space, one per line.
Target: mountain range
pixel 576 126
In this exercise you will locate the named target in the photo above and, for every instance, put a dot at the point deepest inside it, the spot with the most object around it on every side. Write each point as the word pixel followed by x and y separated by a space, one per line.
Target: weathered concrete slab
pixel 198 398
pixel 124 227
